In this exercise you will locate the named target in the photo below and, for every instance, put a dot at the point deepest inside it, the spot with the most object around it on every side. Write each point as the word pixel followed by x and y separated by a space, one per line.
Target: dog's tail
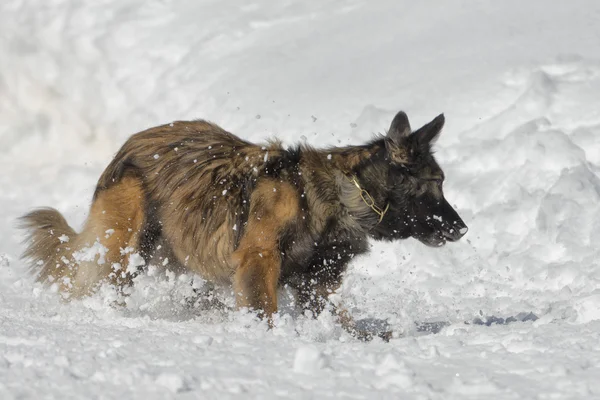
pixel 49 245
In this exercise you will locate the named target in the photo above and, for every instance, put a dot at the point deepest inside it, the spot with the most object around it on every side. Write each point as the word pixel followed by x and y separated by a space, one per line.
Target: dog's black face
pixel 417 207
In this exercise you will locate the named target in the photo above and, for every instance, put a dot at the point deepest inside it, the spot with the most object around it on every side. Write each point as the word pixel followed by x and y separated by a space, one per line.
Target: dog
pixel 253 216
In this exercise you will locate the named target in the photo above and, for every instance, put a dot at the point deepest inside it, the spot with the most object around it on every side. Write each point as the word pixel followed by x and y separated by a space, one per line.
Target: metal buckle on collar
pixel 368 199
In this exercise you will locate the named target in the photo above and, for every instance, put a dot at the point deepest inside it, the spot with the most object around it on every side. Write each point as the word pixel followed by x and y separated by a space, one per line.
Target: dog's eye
pixel 402 169
pixel 439 181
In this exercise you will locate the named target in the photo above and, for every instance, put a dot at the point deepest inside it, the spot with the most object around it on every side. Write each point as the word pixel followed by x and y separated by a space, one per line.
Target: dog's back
pixel 185 183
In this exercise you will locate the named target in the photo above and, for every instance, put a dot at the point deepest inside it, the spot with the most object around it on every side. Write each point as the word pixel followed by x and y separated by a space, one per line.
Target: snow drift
pixel 518 83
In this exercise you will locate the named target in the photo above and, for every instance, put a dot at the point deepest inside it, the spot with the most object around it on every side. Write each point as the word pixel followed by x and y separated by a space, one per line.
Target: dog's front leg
pixel 362 329
pixel 255 281
pixel 273 206
pixel 315 297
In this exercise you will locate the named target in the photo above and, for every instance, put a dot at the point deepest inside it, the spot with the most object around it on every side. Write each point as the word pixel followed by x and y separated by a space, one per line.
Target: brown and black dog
pixel 257 217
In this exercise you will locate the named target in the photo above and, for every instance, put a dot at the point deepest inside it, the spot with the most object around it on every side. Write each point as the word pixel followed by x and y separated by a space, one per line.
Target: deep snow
pixel 518 83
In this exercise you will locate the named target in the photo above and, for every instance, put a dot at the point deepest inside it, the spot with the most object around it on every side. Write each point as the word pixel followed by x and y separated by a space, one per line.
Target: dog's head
pixel 417 207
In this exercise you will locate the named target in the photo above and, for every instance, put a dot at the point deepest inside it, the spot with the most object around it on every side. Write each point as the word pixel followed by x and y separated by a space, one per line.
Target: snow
pixel 518 83
pixel 309 359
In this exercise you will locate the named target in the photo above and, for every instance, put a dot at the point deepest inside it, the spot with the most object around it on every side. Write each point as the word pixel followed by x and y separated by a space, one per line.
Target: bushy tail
pixel 49 244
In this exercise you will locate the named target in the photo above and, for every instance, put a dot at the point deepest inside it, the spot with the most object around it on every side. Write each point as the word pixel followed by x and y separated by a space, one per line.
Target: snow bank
pixel 518 83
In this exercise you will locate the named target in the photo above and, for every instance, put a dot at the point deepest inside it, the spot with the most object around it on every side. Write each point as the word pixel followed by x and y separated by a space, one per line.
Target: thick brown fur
pixel 253 216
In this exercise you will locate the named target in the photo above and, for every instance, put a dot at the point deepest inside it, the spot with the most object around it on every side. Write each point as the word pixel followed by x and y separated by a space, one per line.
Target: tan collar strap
pixel 368 199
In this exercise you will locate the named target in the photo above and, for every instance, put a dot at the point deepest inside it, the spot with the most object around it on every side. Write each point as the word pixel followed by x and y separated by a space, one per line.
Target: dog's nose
pixel 460 229
pixel 456 231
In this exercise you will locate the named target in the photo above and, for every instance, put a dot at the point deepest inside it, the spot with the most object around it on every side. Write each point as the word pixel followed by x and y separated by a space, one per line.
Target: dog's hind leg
pixel 107 248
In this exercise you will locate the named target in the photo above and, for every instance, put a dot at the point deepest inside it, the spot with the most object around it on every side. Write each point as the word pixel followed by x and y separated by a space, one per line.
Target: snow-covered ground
pixel 519 83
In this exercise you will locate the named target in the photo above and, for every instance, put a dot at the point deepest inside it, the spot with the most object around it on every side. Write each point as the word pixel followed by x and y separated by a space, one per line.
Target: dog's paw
pixel 431 327
pixel 369 328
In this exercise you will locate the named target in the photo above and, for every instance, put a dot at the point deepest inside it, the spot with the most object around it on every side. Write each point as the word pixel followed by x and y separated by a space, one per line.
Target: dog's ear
pixel 396 141
pixel 399 129
pixel 429 133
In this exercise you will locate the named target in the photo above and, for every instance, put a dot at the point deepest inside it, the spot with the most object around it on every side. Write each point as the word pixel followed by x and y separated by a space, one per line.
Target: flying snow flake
pixel 96 252
pixel 156 156
pixel 224 192
pixel 127 250
pixel 235 227
pixel 329 156
pixel 266 156
pixel 135 260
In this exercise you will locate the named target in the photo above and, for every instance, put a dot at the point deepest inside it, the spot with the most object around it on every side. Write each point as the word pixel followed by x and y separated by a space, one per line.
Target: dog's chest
pixel 311 256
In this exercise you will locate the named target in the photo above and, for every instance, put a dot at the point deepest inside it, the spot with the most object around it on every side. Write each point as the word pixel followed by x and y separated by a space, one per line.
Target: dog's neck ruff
pixel 368 199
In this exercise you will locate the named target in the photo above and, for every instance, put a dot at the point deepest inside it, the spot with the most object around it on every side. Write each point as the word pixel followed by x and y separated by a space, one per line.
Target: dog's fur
pixel 253 216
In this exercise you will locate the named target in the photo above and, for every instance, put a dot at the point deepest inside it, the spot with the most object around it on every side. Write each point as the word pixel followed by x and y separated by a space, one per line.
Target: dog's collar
pixel 368 199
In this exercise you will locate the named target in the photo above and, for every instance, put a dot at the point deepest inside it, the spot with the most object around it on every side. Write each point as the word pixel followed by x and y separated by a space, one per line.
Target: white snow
pixel 309 359
pixel 95 253
pixel 135 260
pixel 518 83
pixel 392 372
